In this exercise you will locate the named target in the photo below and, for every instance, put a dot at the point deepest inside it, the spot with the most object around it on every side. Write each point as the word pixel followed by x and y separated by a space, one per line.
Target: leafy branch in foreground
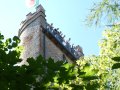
pixel 40 73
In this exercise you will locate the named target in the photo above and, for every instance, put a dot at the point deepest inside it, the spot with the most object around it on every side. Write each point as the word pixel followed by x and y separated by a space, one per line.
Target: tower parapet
pixel 29 15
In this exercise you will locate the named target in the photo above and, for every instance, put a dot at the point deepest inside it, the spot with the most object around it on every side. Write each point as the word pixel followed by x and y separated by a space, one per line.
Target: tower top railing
pixel 76 51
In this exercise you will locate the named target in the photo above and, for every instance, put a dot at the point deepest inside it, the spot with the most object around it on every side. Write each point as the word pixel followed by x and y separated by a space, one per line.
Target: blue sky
pixel 67 15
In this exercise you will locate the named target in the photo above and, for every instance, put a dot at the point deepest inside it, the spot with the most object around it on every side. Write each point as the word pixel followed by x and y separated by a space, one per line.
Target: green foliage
pixel 116 65
pixel 117 59
pixel 110 44
pixel 109 48
pixel 107 11
pixel 41 74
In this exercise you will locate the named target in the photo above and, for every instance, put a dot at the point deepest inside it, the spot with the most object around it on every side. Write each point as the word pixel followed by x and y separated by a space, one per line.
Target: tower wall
pixel 51 50
pixel 30 33
pixel 30 40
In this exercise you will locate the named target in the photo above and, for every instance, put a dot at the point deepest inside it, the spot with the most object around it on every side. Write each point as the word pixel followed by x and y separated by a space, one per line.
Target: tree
pixel 108 12
pixel 109 49
pixel 42 74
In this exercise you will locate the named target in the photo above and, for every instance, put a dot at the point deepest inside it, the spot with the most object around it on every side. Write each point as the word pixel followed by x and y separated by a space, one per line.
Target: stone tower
pixel 36 38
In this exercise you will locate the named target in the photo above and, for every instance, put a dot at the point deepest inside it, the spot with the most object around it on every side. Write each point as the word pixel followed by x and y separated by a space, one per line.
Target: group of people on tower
pixel 75 50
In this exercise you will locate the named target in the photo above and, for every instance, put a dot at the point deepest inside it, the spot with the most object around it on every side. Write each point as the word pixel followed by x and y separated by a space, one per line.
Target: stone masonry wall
pixel 53 51
pixel 30 39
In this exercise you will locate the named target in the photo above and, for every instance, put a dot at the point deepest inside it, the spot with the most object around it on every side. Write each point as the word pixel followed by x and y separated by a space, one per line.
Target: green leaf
pixel 116 66
pixel 77 87
pixel 16 38
pixel 9 47
pixel 117 59
pixel 90 77
pixel 1 37
pixel 14 44
pixel 92 86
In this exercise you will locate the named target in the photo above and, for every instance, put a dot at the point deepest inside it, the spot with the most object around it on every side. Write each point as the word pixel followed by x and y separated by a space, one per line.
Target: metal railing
pixel 76 52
